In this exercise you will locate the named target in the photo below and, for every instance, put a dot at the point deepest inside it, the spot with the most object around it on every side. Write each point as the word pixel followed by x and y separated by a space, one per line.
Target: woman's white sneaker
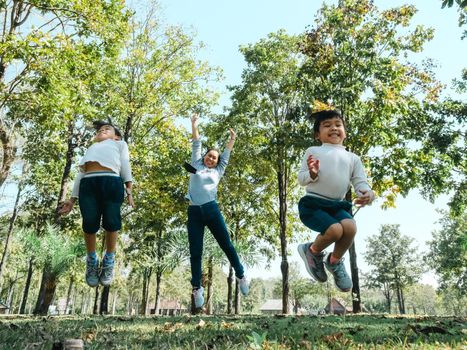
pixel 243 285
pixel 198 297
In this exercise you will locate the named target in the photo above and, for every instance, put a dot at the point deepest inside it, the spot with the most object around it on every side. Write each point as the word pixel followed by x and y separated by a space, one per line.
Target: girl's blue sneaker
pixel 107 271
pixel 92 272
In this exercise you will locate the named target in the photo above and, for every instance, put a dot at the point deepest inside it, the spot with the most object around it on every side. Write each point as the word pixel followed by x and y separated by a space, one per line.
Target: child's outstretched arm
pixel 196 146
pixel 125 172
pixel 225 156
pixel 231 142
pixel 65 207
pixel 128 190
pixel 194 127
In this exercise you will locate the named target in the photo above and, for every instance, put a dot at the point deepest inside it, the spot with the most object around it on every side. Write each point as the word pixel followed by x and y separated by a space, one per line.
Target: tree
pixel 358 58
pixel 453 302
pixel 448 252
pixel 462 12
pixel 242 196
pixel 32 32
pixel 421 299
pixel 299 287
pixel 393 261
pixel 383 283
pixel 57 254
pixel 268 101
pixel 11 224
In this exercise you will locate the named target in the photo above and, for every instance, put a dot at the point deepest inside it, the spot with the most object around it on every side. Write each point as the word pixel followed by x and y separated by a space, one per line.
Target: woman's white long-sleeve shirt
pixel 338 169
pixel 203 185
pixel 109 153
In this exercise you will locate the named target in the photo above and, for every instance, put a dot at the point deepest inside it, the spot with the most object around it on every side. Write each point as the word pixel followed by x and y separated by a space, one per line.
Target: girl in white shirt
pixel 104 171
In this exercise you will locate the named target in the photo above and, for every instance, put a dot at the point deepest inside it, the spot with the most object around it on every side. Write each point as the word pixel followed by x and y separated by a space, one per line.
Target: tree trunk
pixel 281 178
pixel 144 300
pixel 68 294
pixel 356 301
pixel 399 303
pixel 27 286
pixel 49 280
pixel 9 300
pixel 209 291
pixel 73 301
pixel 83 303
pixel 104 304
pixel 158 292
pixel 237 299
pixel 46 292
pixel 8 152
pixel 96 301
pixel 71 145
pixel 129 303
pixel 402 300
pixel 114 303
pixel 387 295
pixel 356 297
pixel 229 290
pixel 11 224
pixel 147 273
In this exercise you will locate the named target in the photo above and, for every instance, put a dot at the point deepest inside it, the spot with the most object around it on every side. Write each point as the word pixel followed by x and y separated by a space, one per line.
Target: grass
pixel 236 332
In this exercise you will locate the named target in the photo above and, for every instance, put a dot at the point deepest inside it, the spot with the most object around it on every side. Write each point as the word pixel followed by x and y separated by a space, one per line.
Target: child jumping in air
pixel 99 187
pixel 203 211
pixel 327 172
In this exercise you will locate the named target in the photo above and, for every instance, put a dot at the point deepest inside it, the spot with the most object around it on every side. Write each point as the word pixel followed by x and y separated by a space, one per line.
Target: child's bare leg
pixel 334 263
pixel 90 242
pixel 111 241
pixel 343 244
pixel 333 234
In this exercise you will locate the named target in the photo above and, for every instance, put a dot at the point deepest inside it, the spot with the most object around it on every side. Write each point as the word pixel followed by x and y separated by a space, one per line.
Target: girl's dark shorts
pixel 319 213
pixel 100 198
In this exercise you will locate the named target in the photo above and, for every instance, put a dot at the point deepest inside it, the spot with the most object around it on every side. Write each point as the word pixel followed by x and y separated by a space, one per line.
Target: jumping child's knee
pixel 349 227
pixel 334 232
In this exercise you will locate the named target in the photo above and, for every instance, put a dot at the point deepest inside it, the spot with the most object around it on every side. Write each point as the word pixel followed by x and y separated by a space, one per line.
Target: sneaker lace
pixel 91 266
pixel 107 268
pixel 339 270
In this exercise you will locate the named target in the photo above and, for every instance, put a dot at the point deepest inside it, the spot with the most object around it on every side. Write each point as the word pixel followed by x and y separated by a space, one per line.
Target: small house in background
pixel 273 307
pixel 337 307
pixel 171 308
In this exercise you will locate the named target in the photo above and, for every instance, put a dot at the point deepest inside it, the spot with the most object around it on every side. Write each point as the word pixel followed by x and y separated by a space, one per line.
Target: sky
pixel 225 25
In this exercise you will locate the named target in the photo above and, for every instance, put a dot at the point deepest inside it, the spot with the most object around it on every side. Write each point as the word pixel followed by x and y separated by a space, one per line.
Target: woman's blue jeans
pixel 200 216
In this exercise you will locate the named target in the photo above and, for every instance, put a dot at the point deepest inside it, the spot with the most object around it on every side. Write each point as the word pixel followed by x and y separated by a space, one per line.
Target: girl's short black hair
pixel 97 124
pixel 321 116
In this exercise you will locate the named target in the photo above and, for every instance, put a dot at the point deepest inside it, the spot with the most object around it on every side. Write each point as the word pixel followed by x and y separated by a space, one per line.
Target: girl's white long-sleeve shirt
pixel 203 185
pixel 338 169
pixel 109 153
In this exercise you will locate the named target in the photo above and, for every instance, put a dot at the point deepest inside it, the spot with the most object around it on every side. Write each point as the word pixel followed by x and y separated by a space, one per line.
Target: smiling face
pixel 331 131
pixel 211 158
pixel 106 132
